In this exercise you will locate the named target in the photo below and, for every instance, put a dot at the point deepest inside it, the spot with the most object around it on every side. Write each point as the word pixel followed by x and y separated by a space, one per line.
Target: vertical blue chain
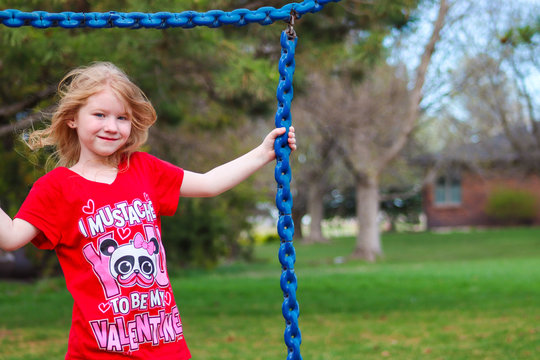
pixel 285 225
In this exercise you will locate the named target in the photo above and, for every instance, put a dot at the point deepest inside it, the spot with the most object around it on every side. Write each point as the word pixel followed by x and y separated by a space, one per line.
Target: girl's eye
pixel 123 118
pixel 100 115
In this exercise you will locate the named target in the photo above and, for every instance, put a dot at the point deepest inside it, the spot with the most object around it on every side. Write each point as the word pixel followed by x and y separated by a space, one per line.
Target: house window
pixel 448 190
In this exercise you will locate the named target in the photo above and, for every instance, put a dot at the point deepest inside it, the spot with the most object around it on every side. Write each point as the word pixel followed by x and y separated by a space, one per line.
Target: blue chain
pixel 284 203
pixel 160 20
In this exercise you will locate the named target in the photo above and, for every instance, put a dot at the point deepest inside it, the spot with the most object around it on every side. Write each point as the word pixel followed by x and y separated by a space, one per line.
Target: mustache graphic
pixel 135 278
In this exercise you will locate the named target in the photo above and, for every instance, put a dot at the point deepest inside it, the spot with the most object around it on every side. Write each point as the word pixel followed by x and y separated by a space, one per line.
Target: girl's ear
pixel 71 123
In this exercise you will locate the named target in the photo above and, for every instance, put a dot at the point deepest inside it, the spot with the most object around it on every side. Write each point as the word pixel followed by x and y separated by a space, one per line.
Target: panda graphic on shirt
pixel 119 258
pixel 134 263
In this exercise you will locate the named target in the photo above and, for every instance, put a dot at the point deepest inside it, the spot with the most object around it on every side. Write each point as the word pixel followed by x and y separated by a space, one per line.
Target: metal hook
pixel 290 27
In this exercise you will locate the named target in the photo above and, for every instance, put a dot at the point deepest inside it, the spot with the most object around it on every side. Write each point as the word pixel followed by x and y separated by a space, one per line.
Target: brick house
pixel 459 192
pixel 460 199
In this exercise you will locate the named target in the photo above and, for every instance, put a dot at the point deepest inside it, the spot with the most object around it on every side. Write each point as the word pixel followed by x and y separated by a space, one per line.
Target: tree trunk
pixel 315 209
pixel 368 242
pixel 297 216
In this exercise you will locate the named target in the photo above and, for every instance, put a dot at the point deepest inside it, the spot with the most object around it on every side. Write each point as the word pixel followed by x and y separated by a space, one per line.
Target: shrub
pixel 512 205
pixel 272 238
pixel 205 230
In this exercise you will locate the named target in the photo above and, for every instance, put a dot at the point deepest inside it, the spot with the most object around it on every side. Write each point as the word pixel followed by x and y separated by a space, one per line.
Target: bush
pixel 205 230
pixel 512 206
pixel 261 239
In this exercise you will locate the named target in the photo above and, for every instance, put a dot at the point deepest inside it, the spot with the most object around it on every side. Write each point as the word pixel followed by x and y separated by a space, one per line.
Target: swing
pixel 284 94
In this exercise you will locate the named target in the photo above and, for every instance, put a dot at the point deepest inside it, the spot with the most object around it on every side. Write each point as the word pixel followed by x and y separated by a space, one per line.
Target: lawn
pixel 434 296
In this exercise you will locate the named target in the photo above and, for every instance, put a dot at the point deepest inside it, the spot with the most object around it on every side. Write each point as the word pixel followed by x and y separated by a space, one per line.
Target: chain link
pixel 160 20
pixel 284 203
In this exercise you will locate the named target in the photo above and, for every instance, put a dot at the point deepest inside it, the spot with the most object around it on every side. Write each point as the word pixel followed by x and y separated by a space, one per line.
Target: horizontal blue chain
pixel 135 20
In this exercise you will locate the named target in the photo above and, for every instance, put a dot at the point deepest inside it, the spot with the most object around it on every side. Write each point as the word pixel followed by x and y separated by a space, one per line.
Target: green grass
pixel 434 296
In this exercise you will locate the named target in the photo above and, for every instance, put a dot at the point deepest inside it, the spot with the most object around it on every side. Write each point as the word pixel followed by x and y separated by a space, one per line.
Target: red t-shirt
pixel 108 241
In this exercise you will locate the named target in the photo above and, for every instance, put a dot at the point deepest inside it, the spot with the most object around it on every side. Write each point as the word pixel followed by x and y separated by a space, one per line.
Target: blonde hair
pixel 74 90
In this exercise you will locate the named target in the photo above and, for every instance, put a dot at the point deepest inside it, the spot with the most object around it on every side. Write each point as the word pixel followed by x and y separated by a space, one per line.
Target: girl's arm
pixel 15 233
pixel 227 176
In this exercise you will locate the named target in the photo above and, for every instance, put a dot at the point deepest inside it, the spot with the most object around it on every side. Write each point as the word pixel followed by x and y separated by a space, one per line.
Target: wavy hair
pixel 74 90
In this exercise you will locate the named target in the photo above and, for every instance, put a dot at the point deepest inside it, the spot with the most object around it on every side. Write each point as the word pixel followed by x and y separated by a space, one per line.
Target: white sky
pixel 470 34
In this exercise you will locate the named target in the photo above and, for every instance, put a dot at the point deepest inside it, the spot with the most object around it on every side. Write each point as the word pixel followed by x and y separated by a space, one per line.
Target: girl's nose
pixel 110 124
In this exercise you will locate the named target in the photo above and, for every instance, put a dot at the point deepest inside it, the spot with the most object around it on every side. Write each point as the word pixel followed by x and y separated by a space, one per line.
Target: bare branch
pixel 25 123
pixel 416 93
pixel 428 179
pixel 29 102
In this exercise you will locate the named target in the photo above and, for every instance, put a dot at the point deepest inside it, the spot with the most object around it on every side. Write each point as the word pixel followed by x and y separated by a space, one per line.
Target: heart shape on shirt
pixel 167 298
pixel 89 207
pixel 124 233
pixel 104 307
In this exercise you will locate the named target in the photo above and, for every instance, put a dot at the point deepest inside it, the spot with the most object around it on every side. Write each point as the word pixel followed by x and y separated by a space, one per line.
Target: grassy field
pixel 434 296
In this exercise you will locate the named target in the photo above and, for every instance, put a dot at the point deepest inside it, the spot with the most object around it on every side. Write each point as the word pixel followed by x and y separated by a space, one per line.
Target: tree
pixel 316 173
pixel 373 121
pixel 493 89
pixel 347 40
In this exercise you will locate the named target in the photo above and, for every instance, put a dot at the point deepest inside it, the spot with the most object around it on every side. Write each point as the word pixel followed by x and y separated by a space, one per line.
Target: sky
pixel 473 27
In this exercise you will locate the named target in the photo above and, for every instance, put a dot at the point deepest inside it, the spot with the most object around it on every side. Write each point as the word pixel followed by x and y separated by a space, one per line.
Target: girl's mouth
pixel 107 138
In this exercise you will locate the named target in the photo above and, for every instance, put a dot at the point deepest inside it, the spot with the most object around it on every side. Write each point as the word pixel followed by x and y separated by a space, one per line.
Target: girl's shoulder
pixel 152 166
pixel 53 182
pixel 144 157
pixel 145 160
pixel 56 176
pixel 140 156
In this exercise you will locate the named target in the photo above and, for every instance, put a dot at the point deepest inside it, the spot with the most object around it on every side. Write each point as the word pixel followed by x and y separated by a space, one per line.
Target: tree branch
pixel 416 93
pixel 29 102
pixel 24 123
pixel 429 177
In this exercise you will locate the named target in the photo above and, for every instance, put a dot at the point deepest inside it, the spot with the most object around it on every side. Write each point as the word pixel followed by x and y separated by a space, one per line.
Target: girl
pixel 100 211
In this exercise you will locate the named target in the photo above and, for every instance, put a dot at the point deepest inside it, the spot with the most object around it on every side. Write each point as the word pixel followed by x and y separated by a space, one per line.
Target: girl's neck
pixel 96 171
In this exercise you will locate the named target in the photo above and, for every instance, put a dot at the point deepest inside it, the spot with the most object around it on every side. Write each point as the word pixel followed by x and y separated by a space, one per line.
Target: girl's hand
pixel 292 138
pixel 268 142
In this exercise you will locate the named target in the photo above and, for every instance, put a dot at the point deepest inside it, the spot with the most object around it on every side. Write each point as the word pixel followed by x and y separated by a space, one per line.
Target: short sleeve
pixel 167 180
pixel 42 208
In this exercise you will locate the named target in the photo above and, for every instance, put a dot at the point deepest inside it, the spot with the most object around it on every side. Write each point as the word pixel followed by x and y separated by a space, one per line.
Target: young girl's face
pixel 103 126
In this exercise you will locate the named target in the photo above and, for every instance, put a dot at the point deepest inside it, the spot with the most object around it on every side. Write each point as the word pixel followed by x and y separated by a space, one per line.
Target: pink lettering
pixel 133 344
pixel 139 208
pixel 142 324
pixel 100 264
pixel 133 218
pixel 167 328
pixel 100 332
pixel 113 339
pixel 120 325
pixel 161 277
pixel 122 206
pixel 96 225
pixel 121 336
pixel 177 323
pixel 106 216
pixel 154 324
pixel 82 228
pixel 120 215
pixel 120 221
